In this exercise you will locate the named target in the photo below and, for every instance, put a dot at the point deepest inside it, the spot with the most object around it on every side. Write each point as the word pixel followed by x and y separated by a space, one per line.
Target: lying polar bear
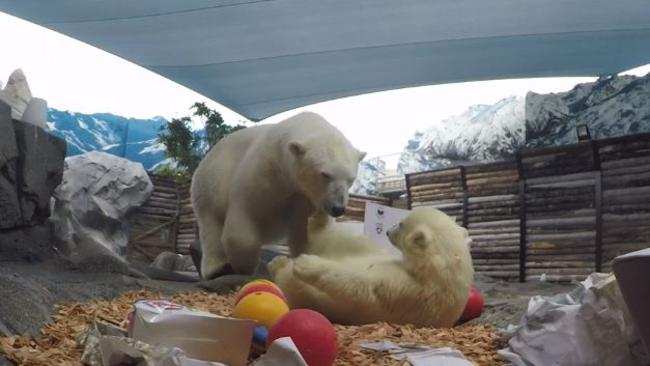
pixel 348 279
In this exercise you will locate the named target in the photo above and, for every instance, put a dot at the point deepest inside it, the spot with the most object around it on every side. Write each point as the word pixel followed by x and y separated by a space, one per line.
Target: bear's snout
pixel 337 210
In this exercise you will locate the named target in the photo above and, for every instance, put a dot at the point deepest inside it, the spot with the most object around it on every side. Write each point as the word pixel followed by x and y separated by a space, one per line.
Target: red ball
pixel 311 332
pixel 474 306
pixel 260 288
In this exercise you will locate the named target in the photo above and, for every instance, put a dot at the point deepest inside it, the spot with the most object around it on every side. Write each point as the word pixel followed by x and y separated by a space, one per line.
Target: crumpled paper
pixel 587 326
pixel 420 355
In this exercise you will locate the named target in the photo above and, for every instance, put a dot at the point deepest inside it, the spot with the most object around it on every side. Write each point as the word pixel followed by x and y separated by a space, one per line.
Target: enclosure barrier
pixel 562 212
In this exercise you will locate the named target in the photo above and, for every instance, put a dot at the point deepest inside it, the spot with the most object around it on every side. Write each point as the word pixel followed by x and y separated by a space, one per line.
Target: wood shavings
pixel 57 344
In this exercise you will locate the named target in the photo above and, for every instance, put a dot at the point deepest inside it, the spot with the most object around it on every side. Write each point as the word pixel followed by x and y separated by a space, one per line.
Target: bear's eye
pixel 326 176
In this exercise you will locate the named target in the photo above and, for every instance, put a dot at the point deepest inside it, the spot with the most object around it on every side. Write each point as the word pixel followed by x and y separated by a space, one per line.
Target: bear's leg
pixel 241 242
pixel 299 218
pixel 213 259
pixel 334 278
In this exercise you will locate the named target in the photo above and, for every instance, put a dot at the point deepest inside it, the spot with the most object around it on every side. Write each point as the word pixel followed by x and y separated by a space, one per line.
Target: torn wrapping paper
pixel 201 335
pixel 107 345
pixel 588 326
pixel 282 352
pixel 420 355
pixel 127 351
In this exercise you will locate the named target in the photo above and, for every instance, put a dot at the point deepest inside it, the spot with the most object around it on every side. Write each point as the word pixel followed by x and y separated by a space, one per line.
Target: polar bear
pixel 260 184
pixel 429 286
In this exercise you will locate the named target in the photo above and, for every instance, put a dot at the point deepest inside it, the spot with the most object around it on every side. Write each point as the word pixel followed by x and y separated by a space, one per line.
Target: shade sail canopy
pixel 267 56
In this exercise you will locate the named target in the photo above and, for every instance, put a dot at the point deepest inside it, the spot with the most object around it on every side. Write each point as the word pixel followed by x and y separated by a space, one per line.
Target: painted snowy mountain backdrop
pixel 134 139
pixel 611 106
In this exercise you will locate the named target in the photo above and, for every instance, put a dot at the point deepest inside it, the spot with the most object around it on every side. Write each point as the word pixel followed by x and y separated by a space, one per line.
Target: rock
pixel 10 214
pixel 36 113
pixel 40 161
pixel 169 261
pixel 31 166
pixel 31 244
pixel 16 93
pixel 92 202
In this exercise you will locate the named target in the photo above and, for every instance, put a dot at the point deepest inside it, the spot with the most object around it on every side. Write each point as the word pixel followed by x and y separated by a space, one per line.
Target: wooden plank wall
pixel 442 189
pixel 560 211
pixel 152 227
pixel 560 222
pixel 493 218
pixel 625 167
pixel 356 208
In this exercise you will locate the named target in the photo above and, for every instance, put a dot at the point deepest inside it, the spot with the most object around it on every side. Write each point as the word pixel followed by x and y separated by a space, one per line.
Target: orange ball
pixel 263 307
pixel 260 288
pixel 260 281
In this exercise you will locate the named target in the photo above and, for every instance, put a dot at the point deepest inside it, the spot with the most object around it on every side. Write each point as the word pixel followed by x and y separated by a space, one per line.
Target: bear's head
pixel 427 231
pixel 325 170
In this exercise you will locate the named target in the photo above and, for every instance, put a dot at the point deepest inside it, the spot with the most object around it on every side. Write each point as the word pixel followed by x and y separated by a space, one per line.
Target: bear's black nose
pixel 338 211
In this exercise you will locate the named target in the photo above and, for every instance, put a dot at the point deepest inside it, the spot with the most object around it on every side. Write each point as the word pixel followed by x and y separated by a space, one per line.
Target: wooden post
pixel 598 205
pixel 463 182
pixel 408 191
pixel 173 236
pixel 522 219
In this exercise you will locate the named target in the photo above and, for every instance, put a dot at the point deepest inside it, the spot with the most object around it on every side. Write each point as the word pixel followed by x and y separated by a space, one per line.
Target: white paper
pixel 588 326
pixel 201 335
pixel 378 219
pixel 420 355
pixel 282 352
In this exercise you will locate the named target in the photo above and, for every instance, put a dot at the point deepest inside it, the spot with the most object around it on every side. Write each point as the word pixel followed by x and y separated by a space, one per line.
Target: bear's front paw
pixel 277 264
pixel 308 267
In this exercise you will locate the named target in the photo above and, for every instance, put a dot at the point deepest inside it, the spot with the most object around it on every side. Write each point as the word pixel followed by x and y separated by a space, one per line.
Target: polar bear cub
pixel 358 284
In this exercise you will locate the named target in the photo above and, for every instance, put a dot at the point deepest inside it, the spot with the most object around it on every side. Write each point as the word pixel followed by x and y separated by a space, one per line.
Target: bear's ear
pixel 362 154
pixel 419 237
pixel 296 148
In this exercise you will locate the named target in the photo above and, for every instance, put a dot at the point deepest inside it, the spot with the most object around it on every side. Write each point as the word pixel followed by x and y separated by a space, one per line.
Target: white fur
pixel 260 184
pixel 351 282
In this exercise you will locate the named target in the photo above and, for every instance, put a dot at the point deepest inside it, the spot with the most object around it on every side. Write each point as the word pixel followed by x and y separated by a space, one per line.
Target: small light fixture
pixel 583 133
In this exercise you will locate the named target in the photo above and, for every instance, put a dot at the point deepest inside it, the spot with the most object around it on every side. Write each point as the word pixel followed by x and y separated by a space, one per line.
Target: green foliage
pixel 186 147
pixel 215 127
pixel 181 177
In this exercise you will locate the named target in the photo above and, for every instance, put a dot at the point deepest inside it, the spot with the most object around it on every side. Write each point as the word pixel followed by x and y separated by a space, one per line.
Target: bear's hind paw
pixel 278 263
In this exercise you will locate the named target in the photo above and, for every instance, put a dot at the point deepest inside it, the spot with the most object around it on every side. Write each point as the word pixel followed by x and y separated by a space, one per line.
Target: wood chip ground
pixel 57 343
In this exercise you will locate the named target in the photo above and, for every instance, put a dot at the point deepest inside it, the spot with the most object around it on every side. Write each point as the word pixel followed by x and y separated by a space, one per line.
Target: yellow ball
pixel 264 307
pixel 259 282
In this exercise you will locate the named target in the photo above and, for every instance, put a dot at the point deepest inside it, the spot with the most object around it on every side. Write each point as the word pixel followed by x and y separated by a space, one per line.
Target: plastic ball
pixel 260 281
pixel 263 307
pixel 311 332
pixel 474 306
pixel 260 288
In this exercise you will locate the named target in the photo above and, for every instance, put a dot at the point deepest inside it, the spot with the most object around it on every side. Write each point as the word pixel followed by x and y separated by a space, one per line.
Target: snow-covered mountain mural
pixel 481 133
pixel 369 171
pixel 610 106
pixel 134 139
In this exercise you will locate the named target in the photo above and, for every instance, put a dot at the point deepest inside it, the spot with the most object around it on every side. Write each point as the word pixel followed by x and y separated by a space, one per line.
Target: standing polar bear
pixel 260 184
pixel 358 284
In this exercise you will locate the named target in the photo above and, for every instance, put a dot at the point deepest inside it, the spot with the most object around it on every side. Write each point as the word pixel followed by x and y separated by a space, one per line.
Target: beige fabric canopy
pixel 261 57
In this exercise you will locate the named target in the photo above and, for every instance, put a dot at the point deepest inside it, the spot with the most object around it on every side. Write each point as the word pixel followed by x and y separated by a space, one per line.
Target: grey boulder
pixel 90 206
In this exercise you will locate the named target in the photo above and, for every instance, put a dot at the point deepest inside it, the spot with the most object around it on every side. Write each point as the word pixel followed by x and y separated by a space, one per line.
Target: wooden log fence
pixel 562 211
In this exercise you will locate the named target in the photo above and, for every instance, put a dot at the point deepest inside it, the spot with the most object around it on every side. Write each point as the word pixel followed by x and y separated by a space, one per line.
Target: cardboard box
pixel 201 335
